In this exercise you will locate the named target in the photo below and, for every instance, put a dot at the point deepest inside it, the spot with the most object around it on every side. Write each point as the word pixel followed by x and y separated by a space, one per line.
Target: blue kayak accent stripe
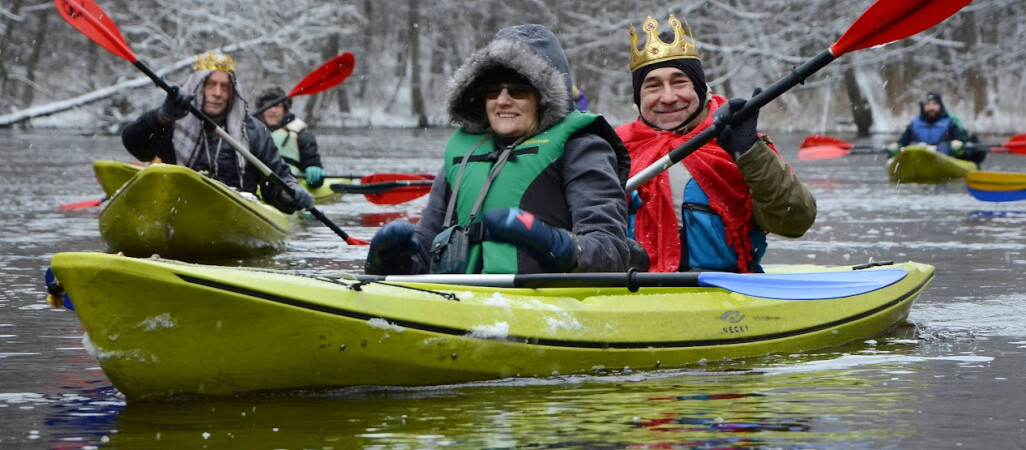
pixel 997 196
pixel 459 332
pixel 803 286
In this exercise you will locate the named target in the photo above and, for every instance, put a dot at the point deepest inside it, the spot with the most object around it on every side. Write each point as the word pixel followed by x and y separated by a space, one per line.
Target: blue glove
pixel 553 247
pixel 314 176
pixel 176 105
pixel 391 249
pixel 633 205
pixel 736 139
pixel 296 197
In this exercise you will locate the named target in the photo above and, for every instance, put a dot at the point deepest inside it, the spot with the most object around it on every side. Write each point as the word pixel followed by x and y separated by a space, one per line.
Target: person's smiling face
pixel 512 109
pixel 668 97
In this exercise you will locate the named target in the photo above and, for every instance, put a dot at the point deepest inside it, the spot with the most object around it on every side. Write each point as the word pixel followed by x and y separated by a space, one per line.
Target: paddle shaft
pixel 796 77
pixel 377 188
pixel 870 149
pixel 276 101
pixel 241 149
pixel 631 280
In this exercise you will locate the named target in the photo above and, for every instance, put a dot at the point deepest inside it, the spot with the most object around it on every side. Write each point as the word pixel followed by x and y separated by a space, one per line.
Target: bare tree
pixel 407 51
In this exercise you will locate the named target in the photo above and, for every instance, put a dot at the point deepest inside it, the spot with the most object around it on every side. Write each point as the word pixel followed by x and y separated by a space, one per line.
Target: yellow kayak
pixel 996 181
pixel 160 328
pixel 922 164
pixel 175 212
pixel 996 186
pixel 113 174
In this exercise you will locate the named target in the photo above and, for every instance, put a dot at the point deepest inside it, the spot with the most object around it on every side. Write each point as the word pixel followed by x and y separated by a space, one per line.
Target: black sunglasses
pixel 516 90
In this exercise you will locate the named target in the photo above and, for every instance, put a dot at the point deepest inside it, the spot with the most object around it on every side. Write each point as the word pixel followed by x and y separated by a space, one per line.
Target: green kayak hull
pixel 175 212
pixel 920 164
pixel 161 328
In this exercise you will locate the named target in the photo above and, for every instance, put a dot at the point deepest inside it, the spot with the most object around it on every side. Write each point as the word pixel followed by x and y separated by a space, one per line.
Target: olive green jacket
pixel 782 204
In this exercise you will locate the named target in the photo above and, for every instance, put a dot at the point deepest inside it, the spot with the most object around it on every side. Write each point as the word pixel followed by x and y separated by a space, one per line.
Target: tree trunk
pixel 417 100
pixel 860 110
pixel 5 47
pixel 33 62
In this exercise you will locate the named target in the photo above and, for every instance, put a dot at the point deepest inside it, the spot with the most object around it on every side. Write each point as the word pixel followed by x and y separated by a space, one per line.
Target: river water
pixel 953 377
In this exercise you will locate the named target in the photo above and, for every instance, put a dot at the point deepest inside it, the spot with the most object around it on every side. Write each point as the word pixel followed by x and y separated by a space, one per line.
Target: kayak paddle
pixel 885 21
pixel 89 19
pixel 325 77
pixel 82 204
pixel 782 286
pixel 388 189
pixel 818 146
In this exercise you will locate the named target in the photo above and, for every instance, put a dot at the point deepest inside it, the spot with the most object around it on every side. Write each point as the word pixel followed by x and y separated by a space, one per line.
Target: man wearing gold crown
pixel 711 212
pixel 174 136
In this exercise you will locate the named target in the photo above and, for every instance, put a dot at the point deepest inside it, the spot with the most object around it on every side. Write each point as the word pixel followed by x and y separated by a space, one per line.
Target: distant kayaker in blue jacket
pixel 935 126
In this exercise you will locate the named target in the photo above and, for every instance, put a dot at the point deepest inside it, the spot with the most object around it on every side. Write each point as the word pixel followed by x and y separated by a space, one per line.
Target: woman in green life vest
pixel 296 144
pixel 528 183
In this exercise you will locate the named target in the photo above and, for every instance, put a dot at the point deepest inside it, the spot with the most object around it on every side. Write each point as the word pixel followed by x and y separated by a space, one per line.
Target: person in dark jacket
pixel 170 134
pixel 297 145
pixel 528 183
pixel 935 126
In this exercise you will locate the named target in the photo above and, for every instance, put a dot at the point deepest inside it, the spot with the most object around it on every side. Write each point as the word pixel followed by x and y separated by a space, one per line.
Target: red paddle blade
pixel 81 205
pixel 400 194
pixel 325 77
pixel 815 152
pixel 354 241
pixel 887 21
pixel 1016 144
pixel 389 176
pixel 815 140
pixel 88 18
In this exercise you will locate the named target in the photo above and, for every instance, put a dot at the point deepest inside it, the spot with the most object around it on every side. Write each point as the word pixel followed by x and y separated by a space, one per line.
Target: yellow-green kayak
pixel 175 212
pixel 113 174
pixel 922 164
pixel 161 328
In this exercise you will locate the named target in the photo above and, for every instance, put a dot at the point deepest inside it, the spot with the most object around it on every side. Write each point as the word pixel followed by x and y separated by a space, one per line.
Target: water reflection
pixel 609 411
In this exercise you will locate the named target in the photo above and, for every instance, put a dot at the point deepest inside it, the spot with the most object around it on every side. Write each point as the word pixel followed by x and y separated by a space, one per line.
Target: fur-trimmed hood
pixel 533 52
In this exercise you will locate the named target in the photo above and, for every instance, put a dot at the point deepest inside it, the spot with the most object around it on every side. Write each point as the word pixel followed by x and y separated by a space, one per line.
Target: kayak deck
pixel 113 174
pixel 218 331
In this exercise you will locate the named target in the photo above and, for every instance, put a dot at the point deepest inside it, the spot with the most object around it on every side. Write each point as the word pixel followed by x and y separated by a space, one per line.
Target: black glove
pixel 553 247
pixel 176 105
pixel 738 138
pixel 391 249
pixel 639 259
pixel 296 197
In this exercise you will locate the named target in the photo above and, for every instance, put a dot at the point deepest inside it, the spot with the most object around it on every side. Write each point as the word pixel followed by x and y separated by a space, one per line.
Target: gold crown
pixel 655 50
pixel 214 61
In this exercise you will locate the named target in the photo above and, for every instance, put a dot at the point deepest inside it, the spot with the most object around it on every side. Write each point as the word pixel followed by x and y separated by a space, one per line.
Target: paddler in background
pixel 296 144
pixel 176 137
pixel 935 126
pixel 528 184
pixel 713 210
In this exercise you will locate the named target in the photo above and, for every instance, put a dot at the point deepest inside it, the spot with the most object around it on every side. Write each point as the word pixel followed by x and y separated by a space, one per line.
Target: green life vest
pixel 529 163
pixel 287 140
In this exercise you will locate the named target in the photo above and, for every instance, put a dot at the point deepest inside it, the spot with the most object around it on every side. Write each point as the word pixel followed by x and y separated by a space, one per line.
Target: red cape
pixel 656 227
